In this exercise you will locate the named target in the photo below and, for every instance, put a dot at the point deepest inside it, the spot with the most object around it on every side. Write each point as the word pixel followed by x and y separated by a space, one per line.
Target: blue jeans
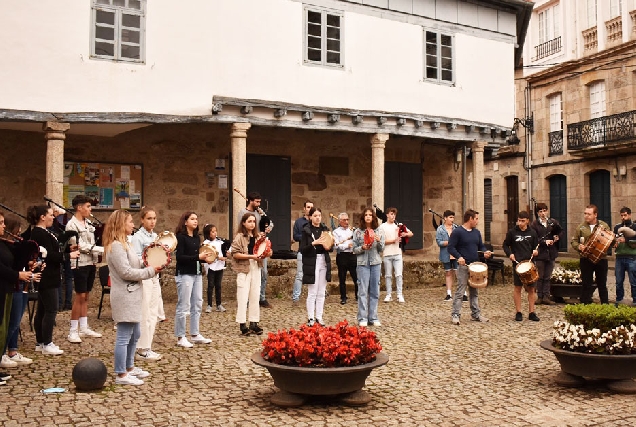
pixel 298 280
pixel 462 284
pixel 20 301
pixel 125 346
pixel 368 292
pixel 263 279
pixel 66 291
pixel 393 263
pixel 623 264
pixel 189 302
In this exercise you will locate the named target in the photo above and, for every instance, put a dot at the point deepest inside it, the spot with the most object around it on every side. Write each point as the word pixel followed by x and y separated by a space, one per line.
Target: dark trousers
pixel 45 315
pixel 544 268
pixel 66 291
pixel 588 269
pixel 347 261
pixel 214 282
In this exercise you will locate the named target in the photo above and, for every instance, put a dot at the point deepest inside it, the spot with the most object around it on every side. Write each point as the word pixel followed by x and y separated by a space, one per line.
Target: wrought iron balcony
pixel 601 131
pixel 556 142
pixel 548 48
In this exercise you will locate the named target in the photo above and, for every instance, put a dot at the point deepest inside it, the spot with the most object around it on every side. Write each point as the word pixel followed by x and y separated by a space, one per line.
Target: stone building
pixel 576 93
pixel 347 103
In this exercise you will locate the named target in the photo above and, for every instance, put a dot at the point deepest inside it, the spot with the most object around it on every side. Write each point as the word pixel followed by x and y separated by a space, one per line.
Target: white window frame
pixel 549 24
pixel 97 5
pixel 323 36
pixel 556 112
pixel 439 58
pixel 616 8
pixel 598 106
pixel 592 11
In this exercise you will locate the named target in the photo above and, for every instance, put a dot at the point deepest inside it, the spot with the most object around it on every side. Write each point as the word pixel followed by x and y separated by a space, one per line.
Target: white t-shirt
pixel 217 264
pixel 391 233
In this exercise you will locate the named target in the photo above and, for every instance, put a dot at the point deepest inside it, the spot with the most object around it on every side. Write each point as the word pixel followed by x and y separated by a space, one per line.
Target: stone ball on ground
pixel 89 374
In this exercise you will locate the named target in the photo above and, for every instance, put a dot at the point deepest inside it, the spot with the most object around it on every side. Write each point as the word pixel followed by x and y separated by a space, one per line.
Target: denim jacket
pixel 371 256
pixel 442 236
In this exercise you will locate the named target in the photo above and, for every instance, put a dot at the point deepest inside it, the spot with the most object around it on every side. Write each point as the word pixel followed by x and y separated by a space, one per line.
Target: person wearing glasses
pixel 346 260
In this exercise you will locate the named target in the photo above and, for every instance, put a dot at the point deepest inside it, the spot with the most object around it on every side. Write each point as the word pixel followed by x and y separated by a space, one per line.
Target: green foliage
pixel 604 317
pixel 570 264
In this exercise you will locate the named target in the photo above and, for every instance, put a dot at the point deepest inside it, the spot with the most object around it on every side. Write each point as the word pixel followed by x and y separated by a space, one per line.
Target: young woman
pixel 189 281
pixel 369 262
pixel 316 265
pixel 248 275
pixel 151 287
pixel 41 218
pixel 215 269
pixel 126 275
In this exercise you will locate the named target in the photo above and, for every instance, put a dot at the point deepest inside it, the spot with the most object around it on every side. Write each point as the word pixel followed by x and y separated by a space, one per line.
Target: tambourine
pixel 156 255
pixel 168 239
pixel 327 239
pixel 210 252
pixel 369 236
pixel 263 248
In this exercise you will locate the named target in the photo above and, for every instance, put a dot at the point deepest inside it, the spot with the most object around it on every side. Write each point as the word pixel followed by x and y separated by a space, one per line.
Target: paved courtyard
pixel 491 374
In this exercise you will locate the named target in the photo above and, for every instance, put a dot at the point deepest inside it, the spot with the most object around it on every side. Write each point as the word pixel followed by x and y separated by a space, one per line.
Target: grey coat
pixel 126 274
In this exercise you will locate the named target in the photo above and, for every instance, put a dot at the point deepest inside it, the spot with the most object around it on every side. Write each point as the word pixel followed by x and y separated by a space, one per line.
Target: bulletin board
pixel 110 185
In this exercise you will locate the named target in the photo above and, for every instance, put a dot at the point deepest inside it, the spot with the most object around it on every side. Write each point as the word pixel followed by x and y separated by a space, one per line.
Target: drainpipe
pixel 464 180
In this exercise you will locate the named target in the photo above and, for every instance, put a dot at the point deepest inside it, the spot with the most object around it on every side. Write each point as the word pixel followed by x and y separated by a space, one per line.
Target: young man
pixel 519 245
pixel 625 257
pixel 549 232
pixel 588 268
pixel 83 268
pixel 253 206
pixel 392 258
pixel 346 260
pixel 299 224
pixel 464 244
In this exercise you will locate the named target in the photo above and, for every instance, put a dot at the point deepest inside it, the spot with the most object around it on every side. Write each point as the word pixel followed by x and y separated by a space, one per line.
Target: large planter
pixel 565 290
pixel 297 383
pixel 576 367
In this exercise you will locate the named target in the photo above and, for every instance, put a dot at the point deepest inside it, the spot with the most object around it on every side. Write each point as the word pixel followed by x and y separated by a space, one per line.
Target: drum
pixel 210 252
pixel 168 239
pixel 528 273
pixel 597 245
pixel 327 239
pixel 156 255
pixel 477 275
pixel 263 248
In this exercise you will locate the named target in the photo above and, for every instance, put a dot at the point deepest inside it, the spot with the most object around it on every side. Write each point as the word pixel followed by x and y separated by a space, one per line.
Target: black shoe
pixel 518 316
pixel 245 331
pixel 265 304
pixel 68 307
pixel 311 322
pixel 533 316
pixel 343 301
pixel 255 328
pixel 465 298
pixel 4 376
pixel 448 298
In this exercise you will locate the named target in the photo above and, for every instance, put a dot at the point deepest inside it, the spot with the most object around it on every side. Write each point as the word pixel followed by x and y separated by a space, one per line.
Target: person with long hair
pixel 151 287
pixel 369 263
pixel 126 294
pixel 189 281
pixel 247 266
pixel 41 218
pixel 316 266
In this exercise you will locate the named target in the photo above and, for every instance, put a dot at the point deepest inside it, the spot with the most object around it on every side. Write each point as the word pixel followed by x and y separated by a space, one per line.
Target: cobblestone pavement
pixel 439 374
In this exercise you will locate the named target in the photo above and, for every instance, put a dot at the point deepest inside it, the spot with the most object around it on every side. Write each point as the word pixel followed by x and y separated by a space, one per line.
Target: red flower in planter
pixel 338 345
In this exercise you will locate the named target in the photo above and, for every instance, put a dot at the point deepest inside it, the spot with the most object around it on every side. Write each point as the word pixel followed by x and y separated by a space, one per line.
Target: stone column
pixel 55 134
pixel 478 182
pixel 378 142
pixel 239 166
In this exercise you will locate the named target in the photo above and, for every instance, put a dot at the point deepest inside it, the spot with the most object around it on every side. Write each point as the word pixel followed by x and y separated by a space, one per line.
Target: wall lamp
pixel 527 123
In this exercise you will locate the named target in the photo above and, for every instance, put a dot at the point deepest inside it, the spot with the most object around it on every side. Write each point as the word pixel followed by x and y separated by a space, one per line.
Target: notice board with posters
pixel 110 185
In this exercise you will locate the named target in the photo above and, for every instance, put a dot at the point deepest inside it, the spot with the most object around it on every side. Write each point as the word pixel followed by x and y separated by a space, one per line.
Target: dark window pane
pixel 131 20
pixel 431 61
pixel 431 73
pixel 106 33
pixel 130 36
pixel 333 33
pixel 314 42
pixel 447 63
pixel 447 75
pixel 431 37
pixel 314 30
pixel 333 45
pixel 313 55
pixel 134 4
pixel 431 49
pixel 129 51
pixel 333 20
pixel 102 48
pixel 121 3
pixel 446 40
pixel 314 17
pixel 104 17
pixel 447 52
pixel 333 58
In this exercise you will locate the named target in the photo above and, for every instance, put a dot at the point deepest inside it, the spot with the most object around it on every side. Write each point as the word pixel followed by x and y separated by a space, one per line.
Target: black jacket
pixel 309 253
pixel 520 243
pixel 52 274
pixel 188 254
pixel 548 253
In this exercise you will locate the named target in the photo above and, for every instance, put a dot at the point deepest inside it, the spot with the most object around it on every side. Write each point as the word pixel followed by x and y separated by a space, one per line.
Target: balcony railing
pixel 614 30
pixel 590 40
pixel 548 48
pixel 556 142
pixel 601 131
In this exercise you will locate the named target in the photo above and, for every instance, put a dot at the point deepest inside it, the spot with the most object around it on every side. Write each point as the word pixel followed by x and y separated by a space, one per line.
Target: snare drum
pixel 263 248
pixel 527 272
pixel 597 245
pixel 168 239
pixel 156 255
pixel 210 252
pixel 478 275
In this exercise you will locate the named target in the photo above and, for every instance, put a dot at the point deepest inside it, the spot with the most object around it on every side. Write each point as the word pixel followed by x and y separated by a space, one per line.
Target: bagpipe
pixel 265 221
pixel 401 227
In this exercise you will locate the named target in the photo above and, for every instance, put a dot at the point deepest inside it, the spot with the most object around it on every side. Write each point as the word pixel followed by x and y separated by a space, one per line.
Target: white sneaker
pixel 139 373
pixel 115 327
pixel 220 308
pixel 400 298
pixel 183 342
pixel 157 356
pixel 376 323
pixel 74 337
pixel 38 347
pixel 388 298
pixel 208 309
pixel 455 320
pixel 20 359
pixel 200 339
pixel 88 332
pixel 148 355
pixel 51 350
pixel 362 323
pixel 6 362
pixel 128 380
